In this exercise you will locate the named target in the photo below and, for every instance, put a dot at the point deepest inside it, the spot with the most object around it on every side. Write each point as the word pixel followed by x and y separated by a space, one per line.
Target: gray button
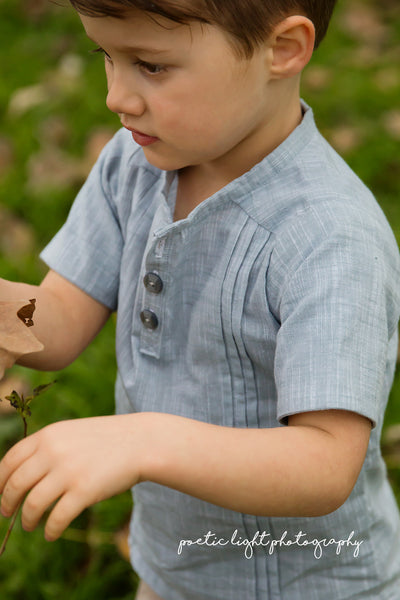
pixel 149 319
pixel 153 282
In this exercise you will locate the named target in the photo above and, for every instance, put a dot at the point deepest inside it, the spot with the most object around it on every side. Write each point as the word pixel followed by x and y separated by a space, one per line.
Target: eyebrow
pixel 142 49
pixel 127 49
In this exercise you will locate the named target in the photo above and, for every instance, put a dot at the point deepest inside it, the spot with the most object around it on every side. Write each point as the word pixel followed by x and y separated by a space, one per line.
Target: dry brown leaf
pixel 388 78
pixel 17 238
pixel 364 23
pixel 6 155
pixel 391 122
pixel 317 77
pixel 69 71
pixel 54 131
pixel 122 542
pixel 52 168
pixel 35 10
pixel 25 98
pixel 57 83
pixel 95 144
pixel 392 435
pixel 344 139
pixel 391 446
pixel 16 339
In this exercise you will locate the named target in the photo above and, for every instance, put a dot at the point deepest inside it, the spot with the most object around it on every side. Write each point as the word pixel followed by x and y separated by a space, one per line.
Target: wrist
pixel 153 429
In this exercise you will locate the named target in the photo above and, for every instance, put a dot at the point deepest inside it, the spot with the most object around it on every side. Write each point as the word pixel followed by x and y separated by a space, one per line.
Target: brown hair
pixel 248 22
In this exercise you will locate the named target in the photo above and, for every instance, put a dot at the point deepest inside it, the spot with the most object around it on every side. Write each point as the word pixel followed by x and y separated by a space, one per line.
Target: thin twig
pixel 15 515
pixel 9 530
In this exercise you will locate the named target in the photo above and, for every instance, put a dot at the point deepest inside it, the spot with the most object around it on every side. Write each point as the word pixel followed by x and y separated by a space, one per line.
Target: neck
pixel 198 182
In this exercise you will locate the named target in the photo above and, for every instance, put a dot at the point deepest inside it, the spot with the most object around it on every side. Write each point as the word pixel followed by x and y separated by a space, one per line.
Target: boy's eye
pixel 150 68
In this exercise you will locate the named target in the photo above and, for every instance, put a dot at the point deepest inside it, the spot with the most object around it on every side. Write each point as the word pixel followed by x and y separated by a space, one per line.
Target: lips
pixel 142 138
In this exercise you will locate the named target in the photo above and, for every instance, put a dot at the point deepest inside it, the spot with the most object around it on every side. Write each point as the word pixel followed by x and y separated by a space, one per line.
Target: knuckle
pixel 11 458
pixel 32 504
pixel 48 435
pixel 15 484
pixel 52 443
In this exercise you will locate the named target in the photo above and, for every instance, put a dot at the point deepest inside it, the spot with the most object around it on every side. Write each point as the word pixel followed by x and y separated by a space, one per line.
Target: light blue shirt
pixel 277 295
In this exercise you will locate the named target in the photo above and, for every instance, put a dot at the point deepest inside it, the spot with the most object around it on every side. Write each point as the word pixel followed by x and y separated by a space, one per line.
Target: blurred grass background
pixel 53 124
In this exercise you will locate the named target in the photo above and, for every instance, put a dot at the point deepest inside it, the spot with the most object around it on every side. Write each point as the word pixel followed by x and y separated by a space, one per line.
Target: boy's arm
pixel 65 320
pixel 305 469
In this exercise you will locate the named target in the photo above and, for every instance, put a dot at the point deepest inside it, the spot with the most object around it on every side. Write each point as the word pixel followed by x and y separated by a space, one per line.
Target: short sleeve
pixel 338 311
pixel 87 249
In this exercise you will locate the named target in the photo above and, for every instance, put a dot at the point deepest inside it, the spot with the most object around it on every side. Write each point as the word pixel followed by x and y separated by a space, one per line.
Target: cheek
pixel 216 110
pixel 195 109
pixel 178 115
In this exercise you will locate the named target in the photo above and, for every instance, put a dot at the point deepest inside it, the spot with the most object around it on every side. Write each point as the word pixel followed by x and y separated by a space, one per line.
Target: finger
pixel 66 510
pixel 14 458
pixel 38 501
pixel 22 479
pixel 20 452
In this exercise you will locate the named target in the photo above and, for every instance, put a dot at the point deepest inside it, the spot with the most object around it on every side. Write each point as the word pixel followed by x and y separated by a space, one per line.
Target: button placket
pixel 153 300
pixel 162 253
pixel 153 284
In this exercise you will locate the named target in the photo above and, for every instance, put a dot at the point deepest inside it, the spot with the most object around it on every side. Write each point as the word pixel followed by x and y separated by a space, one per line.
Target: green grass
pixel 348 93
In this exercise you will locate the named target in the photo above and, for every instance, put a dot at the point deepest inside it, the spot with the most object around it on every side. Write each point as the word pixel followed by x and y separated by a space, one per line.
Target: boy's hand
pixel 73 463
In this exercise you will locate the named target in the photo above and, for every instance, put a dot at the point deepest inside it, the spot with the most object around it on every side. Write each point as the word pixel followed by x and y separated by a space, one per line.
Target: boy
pixel 257 286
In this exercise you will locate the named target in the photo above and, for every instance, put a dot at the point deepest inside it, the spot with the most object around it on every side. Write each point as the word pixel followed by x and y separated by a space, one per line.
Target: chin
pixel 164 162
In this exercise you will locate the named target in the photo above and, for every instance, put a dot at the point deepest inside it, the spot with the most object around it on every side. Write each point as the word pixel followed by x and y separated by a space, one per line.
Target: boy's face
pixel 184 93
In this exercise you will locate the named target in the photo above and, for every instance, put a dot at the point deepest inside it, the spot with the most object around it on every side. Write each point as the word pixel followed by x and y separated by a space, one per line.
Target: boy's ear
pixel 292 45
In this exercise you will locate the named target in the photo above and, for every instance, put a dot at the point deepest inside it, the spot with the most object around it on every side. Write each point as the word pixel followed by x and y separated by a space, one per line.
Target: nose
pixel 123 97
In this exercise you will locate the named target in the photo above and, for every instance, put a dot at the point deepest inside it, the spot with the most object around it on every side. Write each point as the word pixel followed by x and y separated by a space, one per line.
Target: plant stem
pixel 15 515
pixel 9 530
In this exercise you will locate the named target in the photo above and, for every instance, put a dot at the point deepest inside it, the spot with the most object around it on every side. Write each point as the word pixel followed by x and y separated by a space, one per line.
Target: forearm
pixel 58 319
pixel 285 471
pixel 305 469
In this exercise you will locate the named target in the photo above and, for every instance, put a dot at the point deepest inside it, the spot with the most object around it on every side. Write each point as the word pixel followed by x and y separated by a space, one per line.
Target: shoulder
pixel 322 221
pixel 305 177
pixel 305 195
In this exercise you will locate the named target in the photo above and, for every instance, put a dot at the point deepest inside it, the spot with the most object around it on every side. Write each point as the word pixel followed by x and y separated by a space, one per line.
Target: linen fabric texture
pixel 280 295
